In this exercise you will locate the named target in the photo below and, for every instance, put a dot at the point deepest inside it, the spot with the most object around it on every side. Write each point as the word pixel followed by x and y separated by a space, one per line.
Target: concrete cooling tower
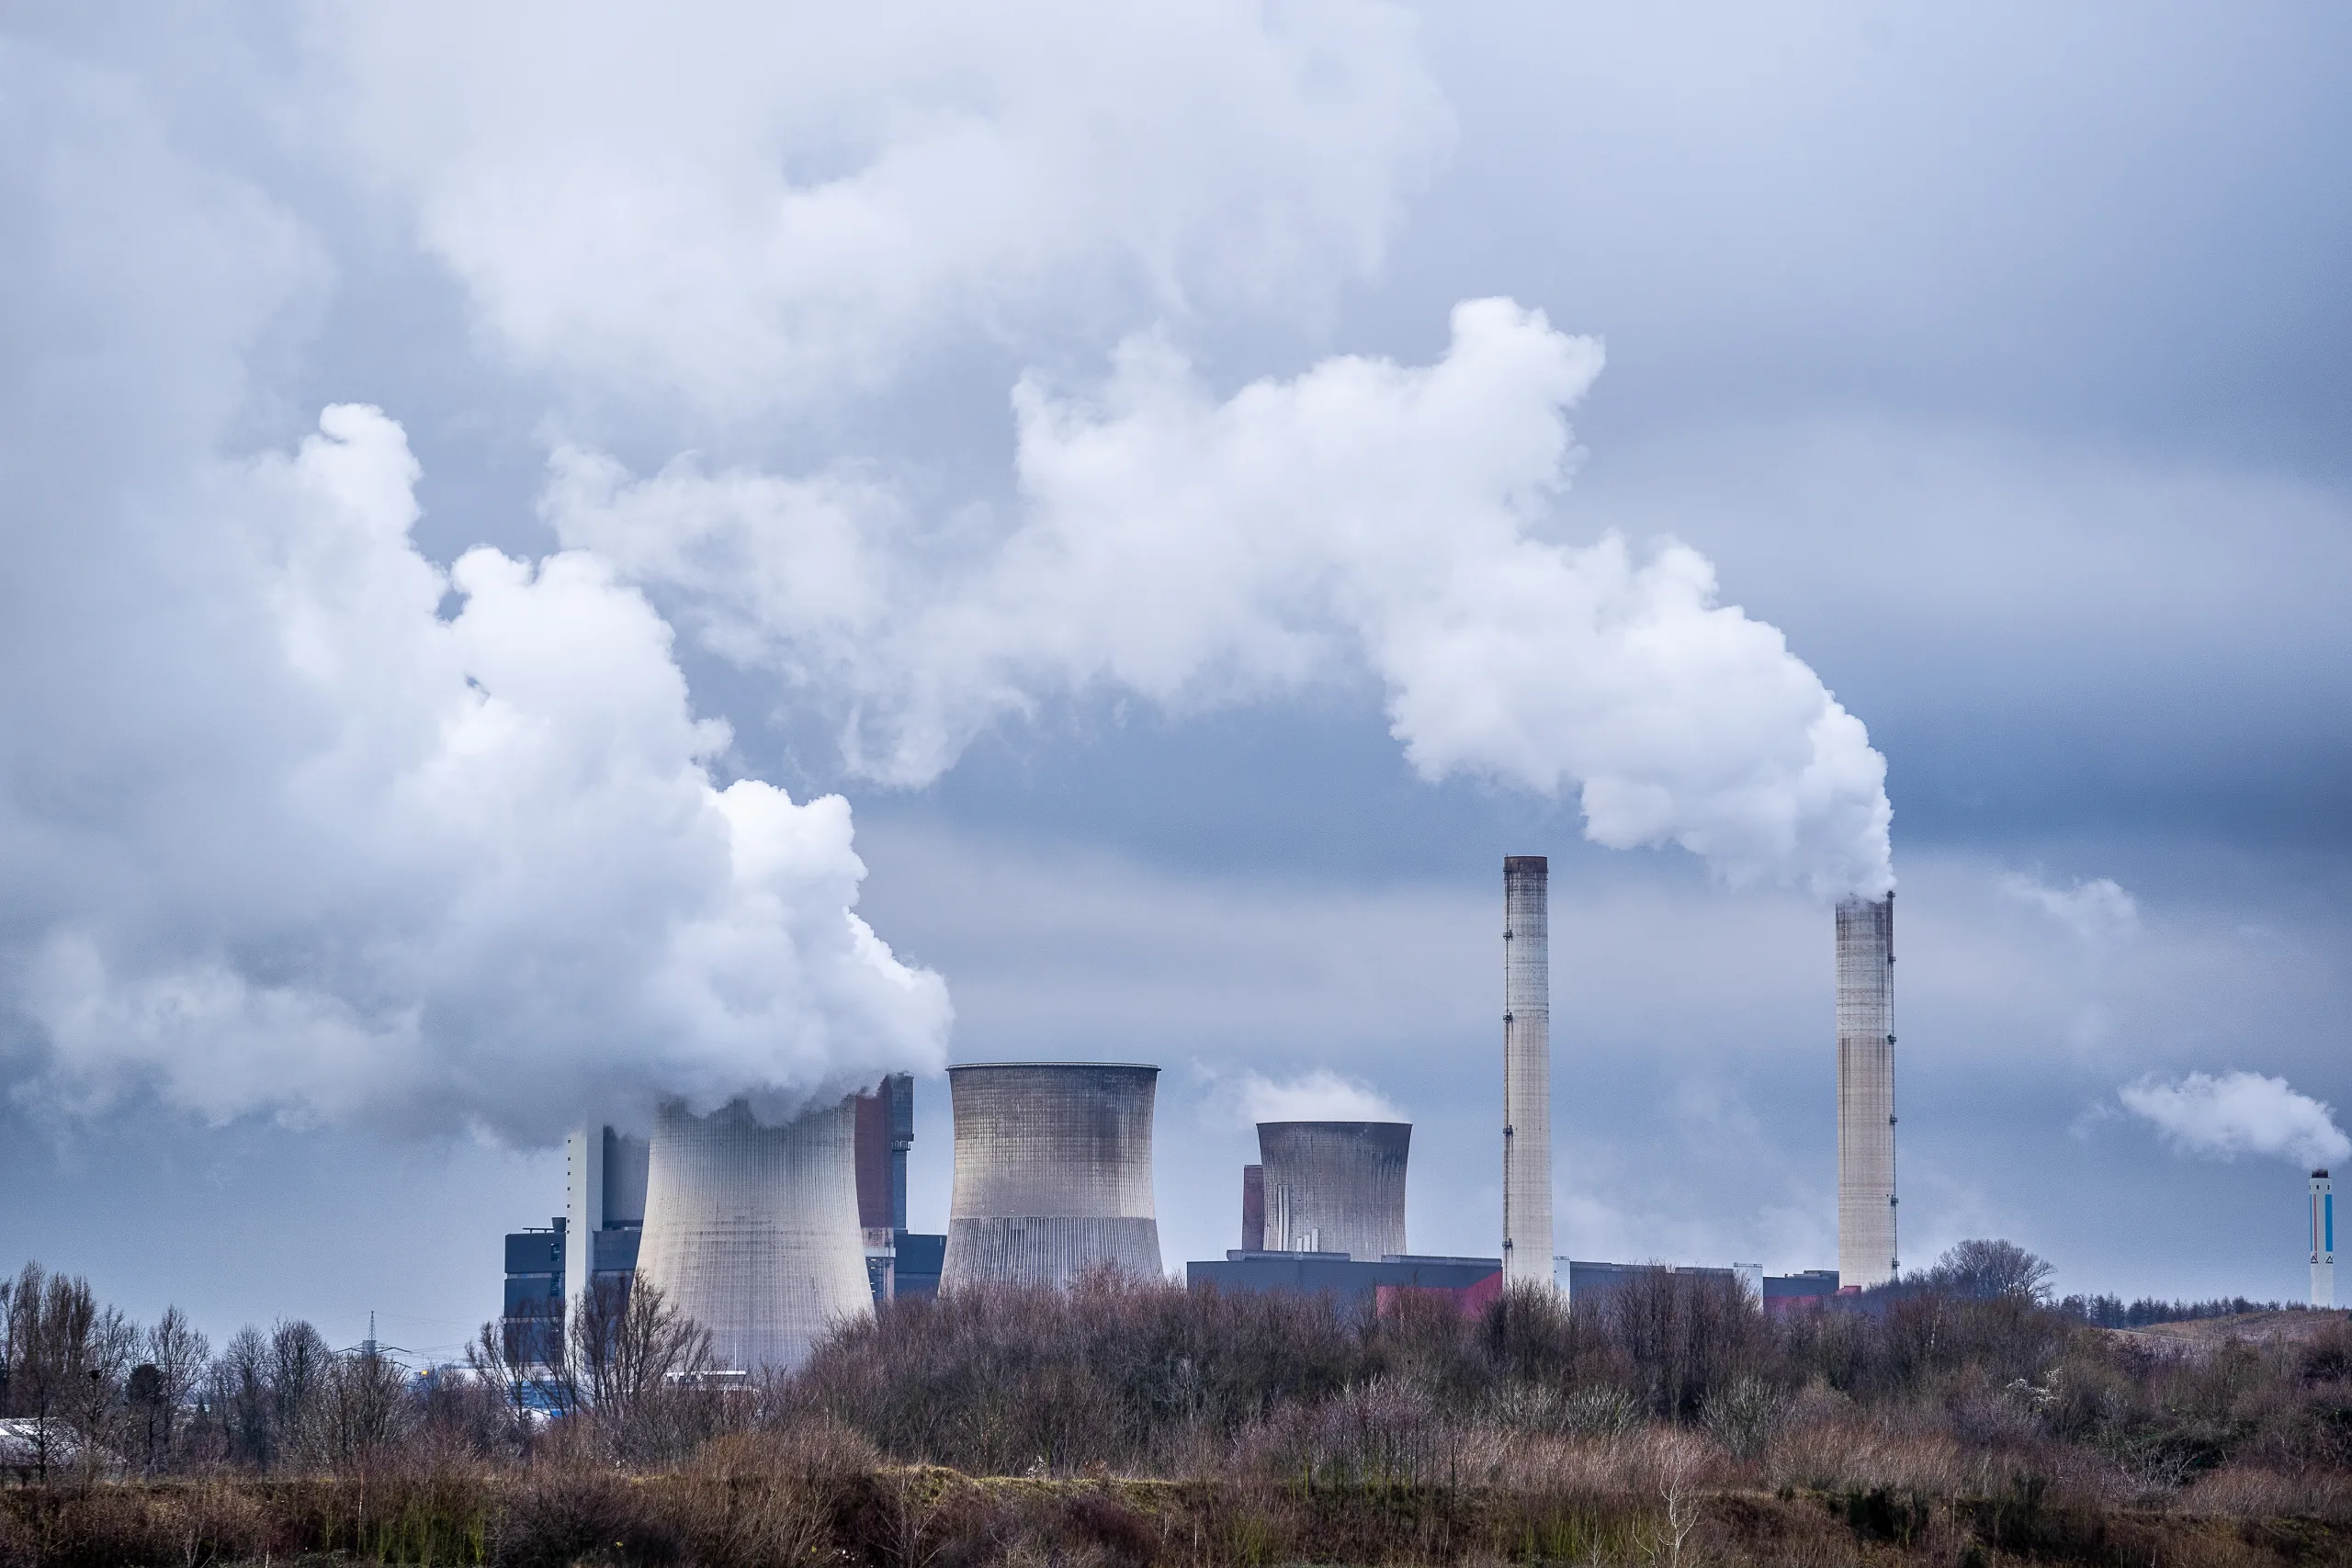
pixel 1866 1252
pixel 1527 1070
pixel 1053 1173
pixel 1335 1187
pixel 752 1231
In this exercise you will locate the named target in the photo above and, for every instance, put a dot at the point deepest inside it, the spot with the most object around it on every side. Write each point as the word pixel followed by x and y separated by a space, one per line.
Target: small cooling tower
pixel 1335 1187
pixel 1053 1173
pixel 1866 1254
pixel 753 1230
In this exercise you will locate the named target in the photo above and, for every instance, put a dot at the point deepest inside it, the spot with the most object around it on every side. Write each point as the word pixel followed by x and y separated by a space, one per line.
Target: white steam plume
pixel 1319 1095
pixel 2099 911
pixel 2234 1114
pixel 741 205
pixel 1366 516
pixel 477 868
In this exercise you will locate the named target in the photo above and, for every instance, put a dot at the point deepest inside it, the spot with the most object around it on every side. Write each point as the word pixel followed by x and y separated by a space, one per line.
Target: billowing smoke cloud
pixel 498 882
pixel 2099 911
pixel 1320 1095
pixel 748 205
pixel 294 820
pixel 2234 1114
pixel 1363 517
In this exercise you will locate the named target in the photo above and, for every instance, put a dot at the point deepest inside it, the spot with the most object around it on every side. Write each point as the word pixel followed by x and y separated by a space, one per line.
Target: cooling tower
pixel 1335 1187
pixel 1527 1071
pixel 2322 1240
pixel 1866 1253
pixel 1053 1173
pixel 751 1231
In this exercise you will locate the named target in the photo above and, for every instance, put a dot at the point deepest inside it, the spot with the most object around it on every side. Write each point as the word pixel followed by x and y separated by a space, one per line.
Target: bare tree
pixel 623 1350
pixel 357 1412
pixel 179 1353
pixel 492 1358
pixel 67 1359
pixel 1990 1270
pixel 241 1398
pixel 299 1359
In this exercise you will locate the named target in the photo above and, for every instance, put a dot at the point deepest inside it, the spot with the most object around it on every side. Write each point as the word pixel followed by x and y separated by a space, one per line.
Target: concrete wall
pixel 1053 1173
pixel 1334 1186
pixel 753 1230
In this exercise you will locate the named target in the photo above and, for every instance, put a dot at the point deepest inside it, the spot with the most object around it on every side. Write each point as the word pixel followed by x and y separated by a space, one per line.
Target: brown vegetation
pixel 1131 1424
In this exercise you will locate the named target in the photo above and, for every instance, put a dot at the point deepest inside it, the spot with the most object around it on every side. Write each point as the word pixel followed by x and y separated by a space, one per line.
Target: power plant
pixel 1866 1203
pixel 1527 1071
pixel 1053 1173
pixel 1333 1187
pixel 2322 1240
pixel 769 1235
pixel 753 1230
pixel 603 1207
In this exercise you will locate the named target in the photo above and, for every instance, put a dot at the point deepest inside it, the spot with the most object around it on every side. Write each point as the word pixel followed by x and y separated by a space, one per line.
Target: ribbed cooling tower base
pixel 1047 1249
pixel 752 1231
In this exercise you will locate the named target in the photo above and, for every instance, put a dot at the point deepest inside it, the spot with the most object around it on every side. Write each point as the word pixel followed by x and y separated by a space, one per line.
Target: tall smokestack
pixel 2322 1240
pixel 1335 1186
pixel 1527 1070
pixel 751 1231
pixel 1866 1251
pixel 1053 1173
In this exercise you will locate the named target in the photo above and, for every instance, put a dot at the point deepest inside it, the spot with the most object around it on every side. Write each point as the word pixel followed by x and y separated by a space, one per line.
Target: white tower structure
pixel 1053 1173
pixel 1527 1070
pixel 1335 1186
pixel 2322 1240
pixel 1866 1247
pixel 752 1231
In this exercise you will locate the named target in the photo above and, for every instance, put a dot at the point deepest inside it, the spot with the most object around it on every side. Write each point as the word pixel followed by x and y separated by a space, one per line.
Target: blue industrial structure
pixel 1351 1280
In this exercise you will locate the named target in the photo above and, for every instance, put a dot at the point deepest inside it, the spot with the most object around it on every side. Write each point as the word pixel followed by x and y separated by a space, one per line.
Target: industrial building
pixel 603 1207
pixel 765 1234
pixel 1866 1199
pixel 1363 1284
pixel 1053 1173
pixel 1330 1187
pixel 2322 1240
pixel 606 1173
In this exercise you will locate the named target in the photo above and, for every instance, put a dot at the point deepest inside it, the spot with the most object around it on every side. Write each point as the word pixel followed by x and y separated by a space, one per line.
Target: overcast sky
pixel 509 514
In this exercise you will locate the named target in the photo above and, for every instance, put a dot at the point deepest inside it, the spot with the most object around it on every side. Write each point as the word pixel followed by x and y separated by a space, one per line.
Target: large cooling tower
pixel 1866 1254
pixel 1053 1173
pixel 751 1230
pixel 1335 1186
pixel 1527 1070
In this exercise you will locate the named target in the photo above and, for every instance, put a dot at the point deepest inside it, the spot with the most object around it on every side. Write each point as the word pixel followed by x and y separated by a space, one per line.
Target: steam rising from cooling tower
pixel 1335 1186
pixel 1527 1070
pixel 1866 1247
pixel 1053 1173
pixel 751 1230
